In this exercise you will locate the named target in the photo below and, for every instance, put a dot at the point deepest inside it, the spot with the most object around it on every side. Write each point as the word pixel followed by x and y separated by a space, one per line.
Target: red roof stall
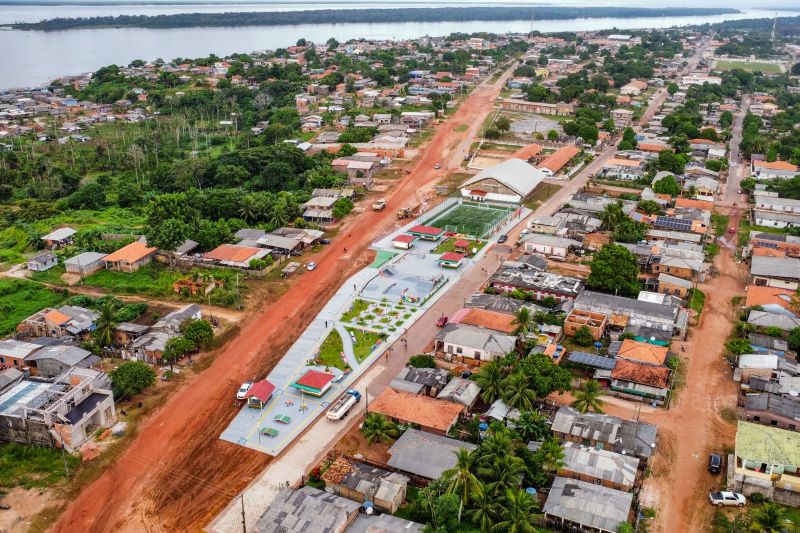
pixel 429 233
pixel 451 260
pixel 462 246
pixel 259 394
pixel 404 241
pixel 314 382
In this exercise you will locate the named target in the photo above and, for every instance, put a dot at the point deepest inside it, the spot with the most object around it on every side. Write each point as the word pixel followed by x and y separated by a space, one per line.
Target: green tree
pixel 523 323
pixel 490 380
pixel 517 392
pixel 483 508
pixel 198 331
pixel 462 481
pixel 552 135
pixel 502 124
pixel 422 361
pixel 175 349
pixel 342 207
pixel 378 428
pixel 550 455
pixel 768 518
pixel 105 325
pixel 583 336
pixel 739 346
pixel 630 231
pixel 649 207
pixel 726 119
pixel 587 398
pixel 531 426
pixel 614 270
pixel 167 235
pixel 131 377
pixel 794 339
pixel 612 214
pixel 518 508
pixel 628 141
pixel 672 88
pixel 667 185
pixel 625 527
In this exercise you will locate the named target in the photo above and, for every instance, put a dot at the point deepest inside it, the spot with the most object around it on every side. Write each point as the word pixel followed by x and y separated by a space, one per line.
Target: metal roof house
pixel 606 432
pixel 766 458
pixel 424 454
pixel 307 509
pixel 610 469
pixel 360 482
pixel 591 507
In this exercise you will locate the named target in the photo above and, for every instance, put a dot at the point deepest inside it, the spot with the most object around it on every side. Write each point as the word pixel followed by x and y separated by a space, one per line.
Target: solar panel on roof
pixel 595 361
pixel 674 223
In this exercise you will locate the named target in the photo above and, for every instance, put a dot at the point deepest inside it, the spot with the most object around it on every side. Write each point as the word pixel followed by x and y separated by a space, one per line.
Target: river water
pixel 31 58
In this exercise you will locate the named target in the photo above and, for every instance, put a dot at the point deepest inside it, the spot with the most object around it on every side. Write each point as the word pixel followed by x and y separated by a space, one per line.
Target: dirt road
pixel 177 473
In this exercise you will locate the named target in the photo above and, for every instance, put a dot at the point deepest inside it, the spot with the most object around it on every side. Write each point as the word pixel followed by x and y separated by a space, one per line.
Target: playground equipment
pixel 408 298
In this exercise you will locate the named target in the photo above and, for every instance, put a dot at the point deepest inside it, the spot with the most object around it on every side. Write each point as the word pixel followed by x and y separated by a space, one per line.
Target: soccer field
pixel 749 66
pixel 470 219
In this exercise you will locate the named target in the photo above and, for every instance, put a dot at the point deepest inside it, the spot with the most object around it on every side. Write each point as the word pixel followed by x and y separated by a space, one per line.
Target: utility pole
pixel 244 523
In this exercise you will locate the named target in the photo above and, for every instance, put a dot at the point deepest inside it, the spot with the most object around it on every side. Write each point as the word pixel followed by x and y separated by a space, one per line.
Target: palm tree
pixel 769 518
pixel 611 215
pixel 587 398
pixel 551 455
pixel 518 507
pixel 498 445
pixel 462 481
pixel 105 325
pixel 504 472
pixel 531 426
pixel 517 392
pixel 523 320
pixel 377 427
pixel 490 379
pixel 482 508
pixel 280 214
pixel 249 208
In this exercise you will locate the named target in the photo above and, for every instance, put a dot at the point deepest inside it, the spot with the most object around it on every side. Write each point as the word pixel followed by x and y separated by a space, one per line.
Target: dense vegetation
pixel 327 16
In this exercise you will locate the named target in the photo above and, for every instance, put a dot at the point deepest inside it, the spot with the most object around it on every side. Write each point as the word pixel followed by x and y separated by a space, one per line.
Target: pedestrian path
pixel 347 345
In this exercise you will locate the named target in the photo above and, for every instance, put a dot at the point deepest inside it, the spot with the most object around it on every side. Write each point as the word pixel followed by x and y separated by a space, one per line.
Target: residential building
pixel 427 381
pixel 59 238
pixel 42 262
pixel 307 509
pixel 540 284
pixel 766 461
pixel 13 353
pixel 679 267
pixel 775 410
pixel 66 321
pixel 234 255
pixel 467 343
pixel 577 318
pixel 643 352
pixel 424 454
pixel 555 162
pixel 460 390
pixel 85 264
pixel 431 415
pixel 609 469
pixel 776 272
pixel 51 361
pixel 576 505
pixel 633 88
pixel 362 483
pixel 675 286
pixel 623 312
pixel 508 182
pixel 548 245
pixel 776 219
pixel 766 319
pixel 640 381
pixel 130 258
pixel 606 432
pixel 773 170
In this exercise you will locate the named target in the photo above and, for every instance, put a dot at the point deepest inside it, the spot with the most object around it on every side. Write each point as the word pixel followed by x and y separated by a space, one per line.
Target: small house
pixel 424 454
pixel 451 260
pixel 431 415
pixel 575 505
pixel 59 238
pixel 42 262
pixel 404 242
pixel 259 394
pixel 85 264
pixel 363 483
pixel 426 233
pixel 606 468
pixel 314 382
pixel 130 258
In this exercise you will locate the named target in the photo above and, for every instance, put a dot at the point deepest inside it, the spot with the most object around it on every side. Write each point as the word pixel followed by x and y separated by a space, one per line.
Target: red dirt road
pixel 177 474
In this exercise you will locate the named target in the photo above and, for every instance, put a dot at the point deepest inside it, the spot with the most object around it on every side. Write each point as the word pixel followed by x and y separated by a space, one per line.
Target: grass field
pixel 330 351
pixel 750 66
pixel 450 244
pixel 51 276
pixel 19 299
pixel 365 340
pixel 30 467
pixel 470 219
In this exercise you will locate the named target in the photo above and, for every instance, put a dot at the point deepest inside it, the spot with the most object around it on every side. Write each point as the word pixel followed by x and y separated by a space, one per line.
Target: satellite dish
pixel 794 393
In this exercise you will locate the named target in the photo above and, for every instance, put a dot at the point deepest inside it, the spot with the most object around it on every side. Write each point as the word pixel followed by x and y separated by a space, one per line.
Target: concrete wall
pixel 15 429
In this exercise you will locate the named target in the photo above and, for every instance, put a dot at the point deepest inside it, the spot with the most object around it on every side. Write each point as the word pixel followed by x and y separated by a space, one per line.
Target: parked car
pixel 324 241
pixel 442 322
pixel 502 238
pixel 437 166
pixel 731 230
pixel 243 390
pixel 311 266
pixel 727 498
pixel 715 463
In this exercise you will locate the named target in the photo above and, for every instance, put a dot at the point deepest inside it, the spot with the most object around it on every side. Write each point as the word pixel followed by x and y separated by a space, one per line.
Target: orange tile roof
pixel 758 295
pixel 526 152
pixel 57 317
pixel 652 147
pixel 131 253
pixel 696 204
pixel 488 319
pixel 775 165
pixel 615 161
pixel 560 157
pixel 231 252
pixel 422 410
pixel 652 375
pixel 767 252
pixel 643 351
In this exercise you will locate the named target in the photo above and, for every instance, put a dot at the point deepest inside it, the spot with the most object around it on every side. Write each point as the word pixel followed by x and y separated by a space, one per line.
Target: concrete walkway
pixel 347 345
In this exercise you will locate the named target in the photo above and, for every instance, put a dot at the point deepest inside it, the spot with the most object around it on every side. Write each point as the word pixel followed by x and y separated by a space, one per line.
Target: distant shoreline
pixel 378 15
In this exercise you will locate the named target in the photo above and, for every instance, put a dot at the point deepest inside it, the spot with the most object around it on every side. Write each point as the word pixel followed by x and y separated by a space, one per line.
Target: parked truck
pixel 340 407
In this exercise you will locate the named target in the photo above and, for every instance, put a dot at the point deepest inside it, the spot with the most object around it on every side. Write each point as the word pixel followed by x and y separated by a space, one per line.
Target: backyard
pixel 19 299
pixel 30 466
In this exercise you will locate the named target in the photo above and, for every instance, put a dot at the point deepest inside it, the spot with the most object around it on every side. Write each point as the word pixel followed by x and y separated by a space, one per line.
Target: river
pixel 31 58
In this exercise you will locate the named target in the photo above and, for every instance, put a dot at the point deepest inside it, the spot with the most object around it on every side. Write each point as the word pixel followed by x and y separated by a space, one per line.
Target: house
pixel 173 320
pixel 280 245
pixel 578 318
pixel 473 344
pixel 404 241
pixel 609 469
pixel 668 284
pixel 509 182
pixel 249 234
pixel 424 454
pixel 431 415
pixel 539 284
pixel 556 161
pixel 426 233
pixel 622 117
pixel 451 260
pixel 42 262
pixel 770 299
pixel 576 505
pixel 773 170
pixel 259 394
pixel 623 169
pixel 546 224
pixel 776 219
pixel 307 509
pixel 776 272
pixel 127 332
pixel 149 347
pixel 53 361
pixel 14 352
pixel 234 255
pixel 485 318
pixel 427 381
pixel 766 461
pixel 755 364
pixel 640 381
pixel 548 245
pixel 67 320
pixel 60 413
pixel 606 432
pixel 643 352
pixel 130 258
pixel 85 264
pixel 633 88
pixel 384 523
pixel 775 410
pixel 775 203
pixel 623 312
pixel 59 238
pixel 765 319
pixel 314 382
pixel 460 390
pixel 362 483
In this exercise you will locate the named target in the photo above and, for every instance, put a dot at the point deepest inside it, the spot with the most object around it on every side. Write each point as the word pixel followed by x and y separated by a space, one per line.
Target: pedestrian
pixel 326 324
